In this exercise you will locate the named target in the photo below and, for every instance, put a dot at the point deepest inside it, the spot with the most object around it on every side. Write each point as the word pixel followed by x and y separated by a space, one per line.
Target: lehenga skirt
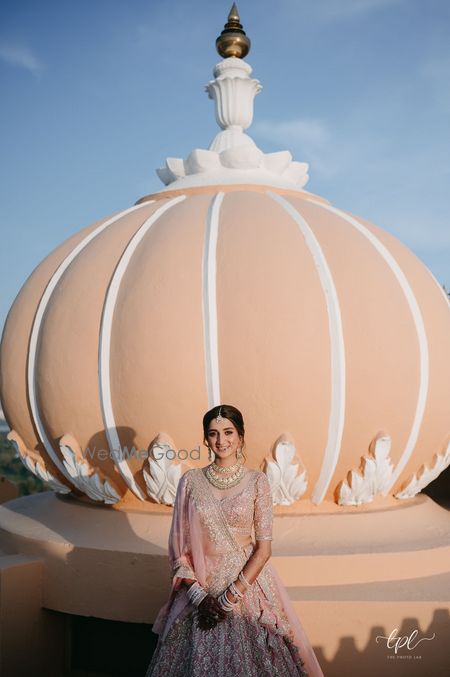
pixel 254 640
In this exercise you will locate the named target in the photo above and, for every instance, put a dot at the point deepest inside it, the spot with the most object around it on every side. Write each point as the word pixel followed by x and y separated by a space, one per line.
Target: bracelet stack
pixel 225 602
pixel 243 580
pixel 196 593
pixel 234 590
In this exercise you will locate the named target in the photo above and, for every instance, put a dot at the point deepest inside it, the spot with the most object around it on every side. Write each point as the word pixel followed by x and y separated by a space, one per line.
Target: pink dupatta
pixel 198 540
pixel 202 547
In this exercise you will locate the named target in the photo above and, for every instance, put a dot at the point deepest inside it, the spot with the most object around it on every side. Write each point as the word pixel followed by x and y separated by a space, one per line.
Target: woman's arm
pixel 254 566
pixel 263 521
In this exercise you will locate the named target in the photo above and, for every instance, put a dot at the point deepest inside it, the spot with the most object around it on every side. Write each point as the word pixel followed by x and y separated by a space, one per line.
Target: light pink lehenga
pixel 262 636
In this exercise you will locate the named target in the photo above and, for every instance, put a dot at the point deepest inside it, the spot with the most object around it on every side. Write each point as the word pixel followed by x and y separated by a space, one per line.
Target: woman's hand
pixel 209 613
pixel 188 581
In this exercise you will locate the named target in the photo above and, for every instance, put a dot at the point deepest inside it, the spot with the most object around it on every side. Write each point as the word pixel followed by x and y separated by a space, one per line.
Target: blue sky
pixel 95 95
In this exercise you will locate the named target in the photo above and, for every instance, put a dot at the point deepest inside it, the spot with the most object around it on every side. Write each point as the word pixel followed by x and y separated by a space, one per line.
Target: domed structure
pixel 232 284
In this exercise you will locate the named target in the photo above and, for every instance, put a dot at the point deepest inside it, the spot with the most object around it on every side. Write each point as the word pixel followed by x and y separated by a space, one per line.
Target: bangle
pixel 235 590
pixel 225 602
pixel 243 579
pixel 196 593
pixel 227 599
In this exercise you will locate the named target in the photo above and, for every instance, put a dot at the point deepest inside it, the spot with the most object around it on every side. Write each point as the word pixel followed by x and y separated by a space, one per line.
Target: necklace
pixel 225 469
pixel 224 482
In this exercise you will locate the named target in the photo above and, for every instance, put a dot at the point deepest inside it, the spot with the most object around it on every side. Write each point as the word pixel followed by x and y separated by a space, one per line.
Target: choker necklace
pixel 225 469
pixel 224 482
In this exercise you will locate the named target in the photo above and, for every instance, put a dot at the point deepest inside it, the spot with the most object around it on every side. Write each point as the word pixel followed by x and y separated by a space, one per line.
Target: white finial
pixel 233 92
pixel 233 156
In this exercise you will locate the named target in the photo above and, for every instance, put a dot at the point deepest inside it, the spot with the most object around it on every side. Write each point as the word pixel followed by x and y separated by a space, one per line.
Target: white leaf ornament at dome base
pixel 34 463
pixel 163 476
pixel 425 475
pixel 286 482
pixel 83 477
pixel 375 477
pixel 233 156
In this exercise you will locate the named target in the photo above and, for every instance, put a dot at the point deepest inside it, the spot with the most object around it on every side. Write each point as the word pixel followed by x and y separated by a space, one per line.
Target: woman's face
pixel 223 438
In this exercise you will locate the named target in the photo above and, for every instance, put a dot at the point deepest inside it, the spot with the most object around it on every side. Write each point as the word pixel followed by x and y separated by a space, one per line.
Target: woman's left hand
pixel 210 613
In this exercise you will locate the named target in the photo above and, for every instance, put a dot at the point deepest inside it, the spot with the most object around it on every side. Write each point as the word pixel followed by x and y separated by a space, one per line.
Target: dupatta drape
pixel 199 547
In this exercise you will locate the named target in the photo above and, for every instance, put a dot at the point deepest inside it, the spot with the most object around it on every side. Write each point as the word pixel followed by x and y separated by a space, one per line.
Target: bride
pixel 228 613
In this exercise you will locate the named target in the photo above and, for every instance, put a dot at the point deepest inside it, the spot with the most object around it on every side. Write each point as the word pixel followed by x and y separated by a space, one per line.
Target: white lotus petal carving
pixel 425 475
pixel 201 160
pixel 176 166
pixel 277 162
pixel 83 476
pixel 297 172
pixel 286 482
pixel 35 464
pixel 375 477
pixel 236 158
pixel 162 480
pixel 242 157
pixel 165 175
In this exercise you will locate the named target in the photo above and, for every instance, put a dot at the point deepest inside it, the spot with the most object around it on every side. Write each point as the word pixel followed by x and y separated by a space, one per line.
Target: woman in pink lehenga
pixel 228 614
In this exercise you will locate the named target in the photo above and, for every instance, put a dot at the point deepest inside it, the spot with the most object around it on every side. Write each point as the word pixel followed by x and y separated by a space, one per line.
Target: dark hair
pixel 229 412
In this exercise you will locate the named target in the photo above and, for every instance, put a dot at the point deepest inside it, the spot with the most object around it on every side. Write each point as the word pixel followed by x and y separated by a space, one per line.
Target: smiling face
pixel 224 440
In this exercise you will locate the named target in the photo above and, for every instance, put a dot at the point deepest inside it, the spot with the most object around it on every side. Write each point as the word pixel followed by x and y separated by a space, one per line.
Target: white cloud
pixel 313 141
pixel 307 139
pixel 21 56
pixel 297 131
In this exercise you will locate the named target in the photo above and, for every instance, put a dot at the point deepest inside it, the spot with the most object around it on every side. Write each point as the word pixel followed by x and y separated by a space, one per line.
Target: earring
pixel 239 454
pixel 211 454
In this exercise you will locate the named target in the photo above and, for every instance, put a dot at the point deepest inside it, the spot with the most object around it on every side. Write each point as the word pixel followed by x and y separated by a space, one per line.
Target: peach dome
pixel 231 285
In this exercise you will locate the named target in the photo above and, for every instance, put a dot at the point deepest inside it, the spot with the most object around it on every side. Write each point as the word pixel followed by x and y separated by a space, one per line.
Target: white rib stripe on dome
pixel 104 353
pixel 43 303
pixel 421 335
pixel 209 274
pixel 337 352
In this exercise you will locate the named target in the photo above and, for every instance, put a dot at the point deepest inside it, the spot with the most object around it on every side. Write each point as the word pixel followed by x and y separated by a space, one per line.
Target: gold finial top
pixel 234 14
pixel 232 41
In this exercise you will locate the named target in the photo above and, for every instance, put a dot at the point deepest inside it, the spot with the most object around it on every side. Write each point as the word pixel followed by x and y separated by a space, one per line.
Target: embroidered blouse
pixel 243 508
pixel 251 506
